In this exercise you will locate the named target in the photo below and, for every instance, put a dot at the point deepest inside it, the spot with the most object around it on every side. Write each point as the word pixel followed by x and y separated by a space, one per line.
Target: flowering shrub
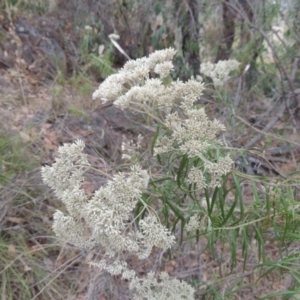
pixel 185 136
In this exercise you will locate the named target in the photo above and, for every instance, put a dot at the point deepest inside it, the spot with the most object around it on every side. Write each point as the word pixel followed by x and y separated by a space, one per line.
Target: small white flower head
pixel 115 268
pixel 133 85
pixel 163 145
pixel 139 178
pixel 161 56
pixel 219 72
pixel 111 88
pixel 88 28
pixel 194 148
pixel 193 224
pixel 74 200
pixel 155 234
pixel 222 167
pixel 114 36
pixel 195 176
pixel 193 135
pixel 136 71
pixel 67 172
pixel 188 92
pixel 141 95
pixel 130 150
pixel 217 170
pixel 69 229
pixel 163 289
pixel 163 69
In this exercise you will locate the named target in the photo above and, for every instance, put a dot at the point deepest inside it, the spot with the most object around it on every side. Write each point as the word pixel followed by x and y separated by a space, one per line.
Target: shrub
pixel 196 190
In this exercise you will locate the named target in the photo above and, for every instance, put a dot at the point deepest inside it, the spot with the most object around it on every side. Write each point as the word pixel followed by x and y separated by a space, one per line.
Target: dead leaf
pixel 27 268
pixel 11 249
pixel 36 248
pixel 24 136
pixel 48 264
pixel 16 220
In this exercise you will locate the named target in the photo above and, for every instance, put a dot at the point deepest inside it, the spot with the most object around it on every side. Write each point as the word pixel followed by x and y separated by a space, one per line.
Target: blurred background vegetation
pixel 54 53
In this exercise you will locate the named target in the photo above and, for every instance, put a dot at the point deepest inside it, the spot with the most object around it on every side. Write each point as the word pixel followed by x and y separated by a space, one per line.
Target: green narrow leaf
pixel 222 203
pixel 244 246
pixel 285 293
pixel 233 246
pixel 213 200
pixel 261 245
pixel 207 198
pixel 210 232
pixel 165 212
pixel 238 193
pixel 230 212
pixel 154 139
pixel 180 172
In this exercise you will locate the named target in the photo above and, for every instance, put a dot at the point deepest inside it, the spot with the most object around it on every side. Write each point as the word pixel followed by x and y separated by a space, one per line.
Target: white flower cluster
pixel 189 132
pixel 217 170
pixel 130 150
pixel 195 176
pixel 154 234
pixel 106 219
pixel 65 176
pixel 193 224
pixel 219 72
pixel 164 289
pixel 115 268
pixel 194 135
pixel 133 85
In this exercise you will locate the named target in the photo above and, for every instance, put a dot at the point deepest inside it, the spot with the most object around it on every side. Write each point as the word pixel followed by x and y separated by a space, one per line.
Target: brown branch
pixel 271 123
